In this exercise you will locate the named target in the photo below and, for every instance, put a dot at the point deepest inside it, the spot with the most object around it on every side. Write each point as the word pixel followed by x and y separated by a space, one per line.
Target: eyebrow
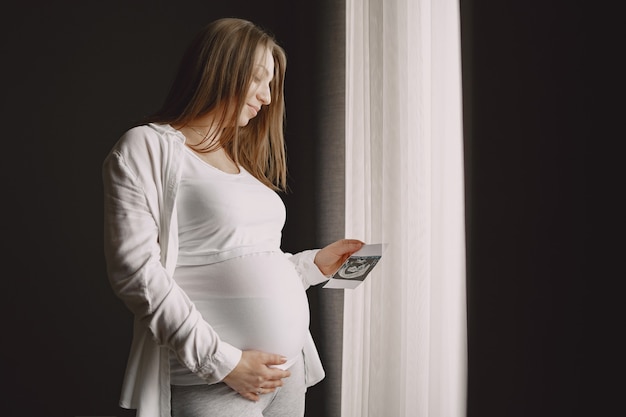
pixel 265 70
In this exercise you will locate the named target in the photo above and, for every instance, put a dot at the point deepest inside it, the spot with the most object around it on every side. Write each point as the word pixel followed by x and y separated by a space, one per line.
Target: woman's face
pixel 259 93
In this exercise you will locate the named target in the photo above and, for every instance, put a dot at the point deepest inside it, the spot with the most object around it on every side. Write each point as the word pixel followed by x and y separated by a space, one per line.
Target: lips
pixel 254 109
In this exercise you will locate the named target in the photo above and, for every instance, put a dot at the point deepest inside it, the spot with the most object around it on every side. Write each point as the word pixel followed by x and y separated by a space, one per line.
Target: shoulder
pixel 146 145
pixel 147 141
pixel 151 136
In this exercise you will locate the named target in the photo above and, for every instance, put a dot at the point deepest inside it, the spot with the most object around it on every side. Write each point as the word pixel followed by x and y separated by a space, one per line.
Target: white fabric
pixel 219 213
pixel 141 176
pixel 253 301
pixel 218 400
pixel 405 327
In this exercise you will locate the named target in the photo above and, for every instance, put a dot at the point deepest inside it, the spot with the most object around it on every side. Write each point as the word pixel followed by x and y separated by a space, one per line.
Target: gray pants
pixel 219 400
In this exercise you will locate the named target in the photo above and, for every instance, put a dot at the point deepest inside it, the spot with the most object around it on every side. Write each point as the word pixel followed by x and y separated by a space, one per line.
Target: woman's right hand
pixel 254 375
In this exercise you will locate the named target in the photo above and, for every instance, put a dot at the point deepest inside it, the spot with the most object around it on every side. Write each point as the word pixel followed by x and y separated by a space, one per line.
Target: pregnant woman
pixel 193 228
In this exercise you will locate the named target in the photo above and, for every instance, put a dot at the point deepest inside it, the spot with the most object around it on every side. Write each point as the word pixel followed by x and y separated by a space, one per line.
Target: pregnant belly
pixel 253 302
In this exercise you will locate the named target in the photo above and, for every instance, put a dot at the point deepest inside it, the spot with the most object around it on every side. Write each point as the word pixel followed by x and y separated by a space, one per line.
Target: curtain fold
pixel 404 347
pixel 324 399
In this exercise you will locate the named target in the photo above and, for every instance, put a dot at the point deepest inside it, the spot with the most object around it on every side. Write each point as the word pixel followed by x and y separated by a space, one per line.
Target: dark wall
pixel 76 75
pixel 525 101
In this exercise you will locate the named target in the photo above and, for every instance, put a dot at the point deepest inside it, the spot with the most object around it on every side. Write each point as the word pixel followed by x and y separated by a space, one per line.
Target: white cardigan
pixel 141 175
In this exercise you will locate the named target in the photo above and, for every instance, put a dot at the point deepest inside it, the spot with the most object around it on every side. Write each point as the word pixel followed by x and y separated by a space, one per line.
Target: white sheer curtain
pixel 404 348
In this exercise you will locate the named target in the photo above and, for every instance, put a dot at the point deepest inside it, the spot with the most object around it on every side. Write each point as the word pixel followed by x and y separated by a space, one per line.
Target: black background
pixel 526 119
pixel 77 74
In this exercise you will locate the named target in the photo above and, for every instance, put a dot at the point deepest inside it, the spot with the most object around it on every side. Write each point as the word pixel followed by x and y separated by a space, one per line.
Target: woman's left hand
pixel 331 257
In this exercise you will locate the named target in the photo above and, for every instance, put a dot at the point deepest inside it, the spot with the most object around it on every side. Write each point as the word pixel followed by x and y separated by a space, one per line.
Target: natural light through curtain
pixel 404 349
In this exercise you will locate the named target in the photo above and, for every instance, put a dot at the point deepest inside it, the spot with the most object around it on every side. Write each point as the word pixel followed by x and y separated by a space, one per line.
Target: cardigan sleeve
pixel 306 268
pixel 139 279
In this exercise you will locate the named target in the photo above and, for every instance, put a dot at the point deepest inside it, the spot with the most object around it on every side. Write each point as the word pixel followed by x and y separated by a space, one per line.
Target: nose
pixel 264 94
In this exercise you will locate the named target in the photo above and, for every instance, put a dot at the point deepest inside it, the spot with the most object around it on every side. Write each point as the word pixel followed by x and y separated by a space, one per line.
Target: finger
pixel 271 384
pixel 353 242
pixel 277 374
pixel 265 390
pixel 273 359
pixel 348 243
pixel 352 245
pixel 252 396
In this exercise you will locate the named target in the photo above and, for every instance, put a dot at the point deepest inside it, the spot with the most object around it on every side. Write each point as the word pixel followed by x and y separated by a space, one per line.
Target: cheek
pixel 251 94
pixel 243 120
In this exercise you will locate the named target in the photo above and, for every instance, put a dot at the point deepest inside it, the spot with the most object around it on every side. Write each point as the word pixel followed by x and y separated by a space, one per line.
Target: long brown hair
pixel 215 70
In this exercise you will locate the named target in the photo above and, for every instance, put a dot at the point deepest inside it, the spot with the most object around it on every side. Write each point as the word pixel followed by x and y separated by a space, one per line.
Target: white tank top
pixel 231 266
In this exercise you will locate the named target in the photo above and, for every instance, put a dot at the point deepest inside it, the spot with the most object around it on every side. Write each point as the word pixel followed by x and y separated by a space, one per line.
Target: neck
pixel 201 131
